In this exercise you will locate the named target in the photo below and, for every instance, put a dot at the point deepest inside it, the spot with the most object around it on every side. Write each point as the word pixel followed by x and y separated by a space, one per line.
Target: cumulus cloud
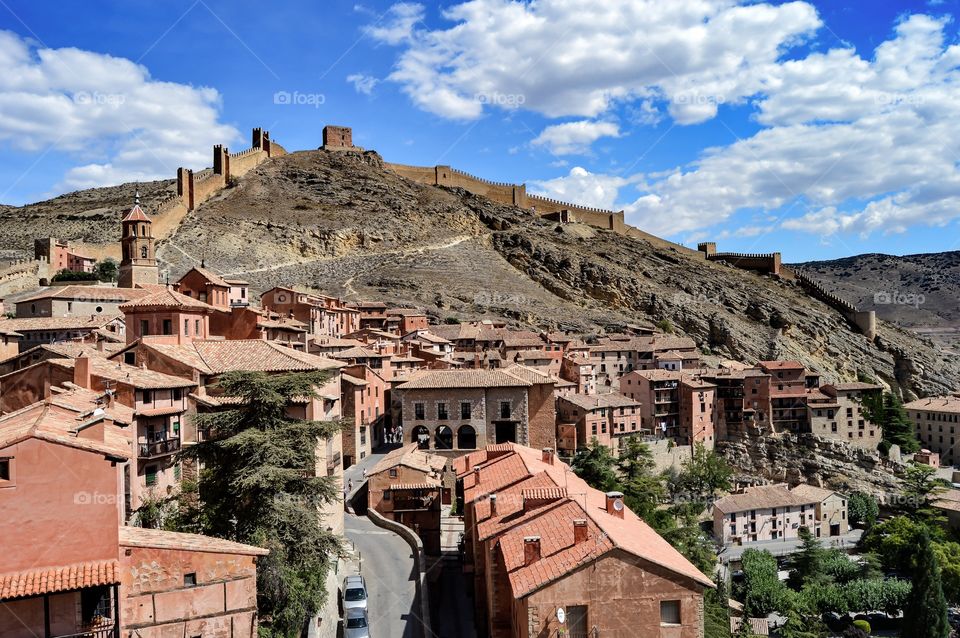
pixel 362 83
pixel 856 145
pixel 579 57
pixel 574 137
pixel 106 111
pixel 580 186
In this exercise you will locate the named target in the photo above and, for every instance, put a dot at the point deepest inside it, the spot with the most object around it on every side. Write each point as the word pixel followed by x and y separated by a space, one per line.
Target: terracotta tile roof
pixel 425 335
pixel 935 404
pixel 210 276
pixel 135 214
pixel 555 527
pixel 406 312
pixel 335 342
pixel 161 539
pixel 218 356
pixel 120 372
pixel 358 352
pixel 49 580
pixel 762 497
pixel 410 456
pixel 758 626
pixel 237 282
pixel 87 293
pixel 780 365
pixel 32 324
pixel 528 374
pixel 600 401
pixel 161 411
pixel 853 386
pixel 819 494
pixel 57 422
pixel 349 378
pixel 470 378
pixel 165 299
pixel 510 506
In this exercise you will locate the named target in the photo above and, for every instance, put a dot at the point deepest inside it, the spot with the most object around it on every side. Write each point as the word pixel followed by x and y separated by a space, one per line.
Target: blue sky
pixel 812 128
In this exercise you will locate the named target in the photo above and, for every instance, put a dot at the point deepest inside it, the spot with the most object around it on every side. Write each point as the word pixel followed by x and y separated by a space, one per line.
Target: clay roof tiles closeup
pixel 50 580
pixel 131 536
pixel 166 298
pixel 217 357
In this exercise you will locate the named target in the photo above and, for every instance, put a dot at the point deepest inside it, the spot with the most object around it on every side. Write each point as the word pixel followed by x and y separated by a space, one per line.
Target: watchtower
pixel 337 137
pixel 139 262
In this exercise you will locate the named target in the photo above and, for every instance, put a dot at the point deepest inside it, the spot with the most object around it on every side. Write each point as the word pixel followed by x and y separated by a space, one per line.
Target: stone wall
pixel 761 262
pixel 806 458
pixel 865 321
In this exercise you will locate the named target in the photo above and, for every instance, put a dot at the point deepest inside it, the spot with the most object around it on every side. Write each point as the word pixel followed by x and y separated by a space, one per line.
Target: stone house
pixel 365 407
pixel 763 513
pixel 45 330
pixel 608 418
pixel 466 409
pixel 206 286
pixel 789 387
pixel 835 412
pixel 831 512
pixel 77 301
pixel 936 421
pixel 406 486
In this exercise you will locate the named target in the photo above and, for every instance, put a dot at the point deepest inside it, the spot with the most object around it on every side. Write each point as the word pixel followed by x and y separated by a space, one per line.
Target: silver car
pixel 355 624
pixel 354 593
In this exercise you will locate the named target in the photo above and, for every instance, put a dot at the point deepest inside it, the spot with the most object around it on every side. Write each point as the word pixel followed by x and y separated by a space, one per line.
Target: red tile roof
pixel 49 580
pixel 161 539
pixel 135 214
pixel 165 299
pixel 217 356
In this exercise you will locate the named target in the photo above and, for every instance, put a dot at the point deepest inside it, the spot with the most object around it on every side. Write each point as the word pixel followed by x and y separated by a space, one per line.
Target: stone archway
pixel 466 438
pixel 443 438
pixel 421 436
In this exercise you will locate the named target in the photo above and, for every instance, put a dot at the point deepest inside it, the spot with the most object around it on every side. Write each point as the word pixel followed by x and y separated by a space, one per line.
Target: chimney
pixel 579 530
pixel 548 455
pixel 615 504
pixel 468 462
pixel 531 550
pixel 493 505
pixel 81 370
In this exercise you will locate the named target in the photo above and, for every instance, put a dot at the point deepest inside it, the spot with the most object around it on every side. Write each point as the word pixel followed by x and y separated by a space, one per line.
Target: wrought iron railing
pixel 159 448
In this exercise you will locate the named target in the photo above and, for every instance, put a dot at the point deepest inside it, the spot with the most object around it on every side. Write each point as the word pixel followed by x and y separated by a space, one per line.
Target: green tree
pixel 887 411
pixel 761 585
pixel 703 476
pixel 643 487
pixel 948 557
pixel 863 510
pixel 258 486
pixel 106 270
pixel 802 622
pixel 921 488
pixel 894 541
pixel 925 615
pixel 664 325
pixel 597 466
pixel 807 563
pixel 716 611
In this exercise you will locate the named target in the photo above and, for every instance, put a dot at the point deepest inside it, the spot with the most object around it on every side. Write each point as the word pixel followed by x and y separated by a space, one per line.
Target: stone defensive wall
pixel 195 187
pixel 514 195
pixel 762 262
pixel 863 320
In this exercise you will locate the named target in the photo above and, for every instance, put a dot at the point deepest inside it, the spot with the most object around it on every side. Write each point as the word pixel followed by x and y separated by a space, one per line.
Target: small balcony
pixel 159 448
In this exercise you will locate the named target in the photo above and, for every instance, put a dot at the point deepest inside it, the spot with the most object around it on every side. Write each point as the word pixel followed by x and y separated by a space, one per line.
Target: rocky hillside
pixel 919 292
pixel 341 223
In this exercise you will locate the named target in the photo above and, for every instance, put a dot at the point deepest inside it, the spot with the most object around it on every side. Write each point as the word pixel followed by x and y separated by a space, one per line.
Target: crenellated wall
pixel 514 195
pixel 864 320
pixel 762 262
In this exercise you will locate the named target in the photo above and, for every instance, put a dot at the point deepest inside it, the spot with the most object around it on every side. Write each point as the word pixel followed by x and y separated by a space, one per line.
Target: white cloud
pixel 106 111
pixel 397 24
pixel 841 130
pixel 362 83
pixel 574 137
pixel 580 186
pixel 579 57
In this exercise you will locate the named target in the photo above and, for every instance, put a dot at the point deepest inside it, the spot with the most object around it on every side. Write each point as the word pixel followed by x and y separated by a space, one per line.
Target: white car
pixel 354 593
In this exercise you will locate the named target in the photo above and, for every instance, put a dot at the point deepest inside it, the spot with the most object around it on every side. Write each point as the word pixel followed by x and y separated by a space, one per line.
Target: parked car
pixel 355 624
pixel 354 593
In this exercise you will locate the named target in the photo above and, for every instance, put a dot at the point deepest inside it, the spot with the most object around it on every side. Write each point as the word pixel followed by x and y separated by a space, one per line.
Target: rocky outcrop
pixel 809 459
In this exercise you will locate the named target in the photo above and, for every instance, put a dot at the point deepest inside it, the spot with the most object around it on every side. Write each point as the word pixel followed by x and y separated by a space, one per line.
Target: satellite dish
pixel 561 615
pixel 618 505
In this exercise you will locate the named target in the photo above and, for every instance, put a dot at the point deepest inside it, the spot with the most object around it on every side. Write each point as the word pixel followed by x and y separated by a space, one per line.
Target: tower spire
pixel 136 195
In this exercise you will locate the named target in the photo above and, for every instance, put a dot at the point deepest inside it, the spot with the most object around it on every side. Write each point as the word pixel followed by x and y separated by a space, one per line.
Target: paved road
pixel 785 547
pixel 387 566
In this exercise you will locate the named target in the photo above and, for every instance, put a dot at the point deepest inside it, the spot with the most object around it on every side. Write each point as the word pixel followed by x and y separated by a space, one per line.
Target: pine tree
pixel 807 562
pixel 643 488
pixel 595 465
pixel 258 486
pixel 925 615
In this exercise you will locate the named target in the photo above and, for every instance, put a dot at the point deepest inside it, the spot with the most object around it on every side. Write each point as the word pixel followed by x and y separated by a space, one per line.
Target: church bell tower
pixel 139 263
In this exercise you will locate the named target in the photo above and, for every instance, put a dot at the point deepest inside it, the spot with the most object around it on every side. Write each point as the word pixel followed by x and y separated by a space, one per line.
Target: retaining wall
pixel 864 320
pixel 419 558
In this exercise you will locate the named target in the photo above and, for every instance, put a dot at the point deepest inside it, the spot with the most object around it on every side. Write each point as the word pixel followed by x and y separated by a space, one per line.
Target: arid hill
pixel 342 223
